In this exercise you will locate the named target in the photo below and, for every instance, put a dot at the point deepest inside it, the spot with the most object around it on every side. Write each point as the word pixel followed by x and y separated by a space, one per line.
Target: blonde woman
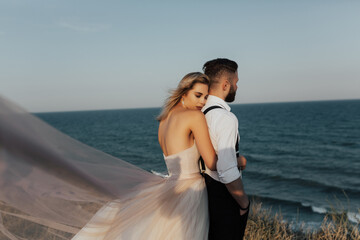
pixel 174 207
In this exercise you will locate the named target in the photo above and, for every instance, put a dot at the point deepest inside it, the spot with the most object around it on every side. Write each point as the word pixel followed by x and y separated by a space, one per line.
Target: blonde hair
pixel 185 85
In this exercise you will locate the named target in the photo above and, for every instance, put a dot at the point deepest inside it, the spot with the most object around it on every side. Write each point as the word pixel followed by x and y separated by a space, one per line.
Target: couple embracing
pixel 195 121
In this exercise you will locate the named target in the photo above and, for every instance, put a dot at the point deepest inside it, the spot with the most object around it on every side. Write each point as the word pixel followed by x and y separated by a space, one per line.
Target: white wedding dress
pixel 175 208
pixel 55 187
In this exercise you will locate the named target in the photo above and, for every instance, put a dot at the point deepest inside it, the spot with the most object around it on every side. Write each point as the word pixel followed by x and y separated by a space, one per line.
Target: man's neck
pixel 216 95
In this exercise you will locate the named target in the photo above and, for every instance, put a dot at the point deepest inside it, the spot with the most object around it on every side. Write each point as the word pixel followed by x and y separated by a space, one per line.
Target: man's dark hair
pixel 218 66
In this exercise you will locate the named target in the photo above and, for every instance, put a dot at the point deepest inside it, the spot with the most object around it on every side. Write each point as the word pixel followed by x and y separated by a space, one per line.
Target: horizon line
pixel 138 108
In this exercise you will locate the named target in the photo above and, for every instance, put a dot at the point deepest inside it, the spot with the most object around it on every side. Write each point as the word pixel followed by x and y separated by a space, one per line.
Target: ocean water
pixel 303 157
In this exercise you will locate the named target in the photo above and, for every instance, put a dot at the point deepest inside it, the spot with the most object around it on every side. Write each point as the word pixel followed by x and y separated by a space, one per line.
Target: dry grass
pixel 262 224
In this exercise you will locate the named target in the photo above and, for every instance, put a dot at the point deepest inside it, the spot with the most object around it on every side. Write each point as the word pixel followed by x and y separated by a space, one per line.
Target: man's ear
pixel 225 85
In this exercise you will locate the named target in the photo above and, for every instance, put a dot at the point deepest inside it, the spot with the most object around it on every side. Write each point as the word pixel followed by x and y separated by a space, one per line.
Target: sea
pixel 303 157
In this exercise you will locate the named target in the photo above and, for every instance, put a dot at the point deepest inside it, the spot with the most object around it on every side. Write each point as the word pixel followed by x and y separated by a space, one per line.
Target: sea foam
pixel 320 210
pixel 353 217
pixel 160 174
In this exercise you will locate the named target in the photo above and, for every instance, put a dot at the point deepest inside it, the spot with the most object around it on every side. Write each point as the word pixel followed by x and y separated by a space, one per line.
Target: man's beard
pixel 231 96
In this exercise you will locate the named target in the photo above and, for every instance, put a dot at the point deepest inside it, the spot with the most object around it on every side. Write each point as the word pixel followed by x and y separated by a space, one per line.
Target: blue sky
pixel 81 55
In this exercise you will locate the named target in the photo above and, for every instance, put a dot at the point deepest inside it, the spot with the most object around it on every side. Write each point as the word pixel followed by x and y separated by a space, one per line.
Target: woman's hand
pixel 241 162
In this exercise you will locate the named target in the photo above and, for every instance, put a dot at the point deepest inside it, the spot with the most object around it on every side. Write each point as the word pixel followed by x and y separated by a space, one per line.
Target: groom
pixel 228 203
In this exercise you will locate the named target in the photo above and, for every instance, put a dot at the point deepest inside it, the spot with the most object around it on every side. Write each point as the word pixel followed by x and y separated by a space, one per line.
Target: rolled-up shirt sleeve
pixel 226 165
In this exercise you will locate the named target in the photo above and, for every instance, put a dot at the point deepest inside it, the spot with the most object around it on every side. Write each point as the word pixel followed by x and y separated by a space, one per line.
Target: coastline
pixel 263 224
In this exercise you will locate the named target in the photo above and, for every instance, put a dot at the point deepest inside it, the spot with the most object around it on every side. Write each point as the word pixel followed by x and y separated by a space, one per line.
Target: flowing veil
pixel 50 184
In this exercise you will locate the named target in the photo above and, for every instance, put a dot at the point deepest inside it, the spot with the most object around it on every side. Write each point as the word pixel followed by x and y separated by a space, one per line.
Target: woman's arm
pixel 199 128
pixel 241 162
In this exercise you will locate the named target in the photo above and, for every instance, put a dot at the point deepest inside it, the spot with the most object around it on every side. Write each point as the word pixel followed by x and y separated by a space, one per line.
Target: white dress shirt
pixel 223 129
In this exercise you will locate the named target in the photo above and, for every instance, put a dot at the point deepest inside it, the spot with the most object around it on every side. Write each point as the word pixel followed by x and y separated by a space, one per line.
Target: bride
pixel 54 187
pixel 176 208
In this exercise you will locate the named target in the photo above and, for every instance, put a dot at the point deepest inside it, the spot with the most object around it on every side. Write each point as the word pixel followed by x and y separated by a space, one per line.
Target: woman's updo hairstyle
pixel 185 85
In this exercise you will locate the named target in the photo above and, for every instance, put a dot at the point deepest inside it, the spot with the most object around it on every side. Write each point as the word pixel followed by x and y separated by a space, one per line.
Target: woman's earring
pixel 182 101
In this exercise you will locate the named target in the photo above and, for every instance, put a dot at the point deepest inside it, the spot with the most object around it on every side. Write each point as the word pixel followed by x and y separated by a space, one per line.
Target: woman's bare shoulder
pixel 190 112
pixel 188 116
pixel 194 116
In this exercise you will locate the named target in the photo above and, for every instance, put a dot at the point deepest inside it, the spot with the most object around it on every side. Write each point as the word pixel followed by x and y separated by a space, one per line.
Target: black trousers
pixel 226 223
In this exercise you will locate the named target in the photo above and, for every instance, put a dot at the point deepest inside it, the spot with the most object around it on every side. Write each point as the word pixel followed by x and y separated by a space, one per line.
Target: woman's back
pixel 174 133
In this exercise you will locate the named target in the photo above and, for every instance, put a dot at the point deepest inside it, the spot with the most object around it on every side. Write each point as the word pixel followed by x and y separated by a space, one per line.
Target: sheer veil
pixel 50 184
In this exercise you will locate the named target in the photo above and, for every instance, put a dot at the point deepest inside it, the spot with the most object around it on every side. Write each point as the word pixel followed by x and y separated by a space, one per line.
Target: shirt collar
pixel 214 100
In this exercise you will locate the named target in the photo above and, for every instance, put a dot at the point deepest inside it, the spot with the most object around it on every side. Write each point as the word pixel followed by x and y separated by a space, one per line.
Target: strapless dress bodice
pixel 184 164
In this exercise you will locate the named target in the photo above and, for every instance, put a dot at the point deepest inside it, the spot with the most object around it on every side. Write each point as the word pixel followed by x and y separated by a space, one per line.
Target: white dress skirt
pixel 175 208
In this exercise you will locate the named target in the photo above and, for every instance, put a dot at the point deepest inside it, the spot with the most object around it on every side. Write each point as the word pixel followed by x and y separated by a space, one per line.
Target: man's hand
pixel 241 162
pixel 236 189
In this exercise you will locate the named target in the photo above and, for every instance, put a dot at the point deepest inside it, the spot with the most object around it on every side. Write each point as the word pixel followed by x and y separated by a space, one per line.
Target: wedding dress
pixel 54 187
pixel 175 208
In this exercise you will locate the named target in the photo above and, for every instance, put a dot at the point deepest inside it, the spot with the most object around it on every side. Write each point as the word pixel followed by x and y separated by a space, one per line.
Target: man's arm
pixel 227 165
pixel 236 189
